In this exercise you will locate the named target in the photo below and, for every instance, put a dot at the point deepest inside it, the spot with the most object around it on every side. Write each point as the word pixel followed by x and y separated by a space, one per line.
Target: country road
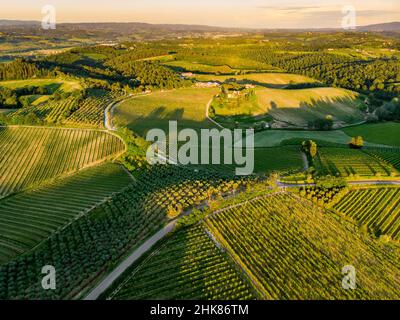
pixel 109 110
pixel 208 117
pixel 352 183
pixel 108 281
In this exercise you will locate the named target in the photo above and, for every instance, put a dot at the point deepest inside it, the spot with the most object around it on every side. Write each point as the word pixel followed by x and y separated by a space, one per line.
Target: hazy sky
pixel 232 13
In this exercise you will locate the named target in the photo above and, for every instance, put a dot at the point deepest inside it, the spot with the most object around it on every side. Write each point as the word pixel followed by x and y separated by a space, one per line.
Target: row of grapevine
pixel 293 250
pixel 188 266
pixel 29 217
pixel 89 245
pixel 179 188
pixel 91 110
pixel 32 155
pixel 376 208
pixel 351 163
pixel 51 112
pixel 388 155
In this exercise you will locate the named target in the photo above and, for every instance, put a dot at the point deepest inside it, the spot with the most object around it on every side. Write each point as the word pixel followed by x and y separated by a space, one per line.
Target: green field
pixel 29 155
pixel 277 159
pixel 29 217
pixel 53 85
pixel 273 80
pixel 376 208
pixel 381 133
pixel 189 265
pixel 351 163
pixel 298 107
pixel 292 250
pixel 199 67
pixel 273 138
pixel 187 106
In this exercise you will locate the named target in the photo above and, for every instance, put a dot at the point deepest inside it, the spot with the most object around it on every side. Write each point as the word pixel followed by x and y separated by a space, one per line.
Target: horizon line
pixel 200 25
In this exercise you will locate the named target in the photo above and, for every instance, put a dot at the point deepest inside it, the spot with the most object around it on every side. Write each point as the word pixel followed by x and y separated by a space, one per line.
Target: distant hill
pixel 18 23
pixel 114 29
pixel 381 27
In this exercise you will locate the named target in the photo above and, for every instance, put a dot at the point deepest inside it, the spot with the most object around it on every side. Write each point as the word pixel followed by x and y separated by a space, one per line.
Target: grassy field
pixel 293 250
pixel 29 217
pixel 277 159
pixel 273 80
pixel 192 267
pixel 29 155
pixel 273 138
pixel 381 133
pixel 376 208
pixel 298 107
pixel 199 67
pixel 347 162
pixel 187 106
pixel 53 85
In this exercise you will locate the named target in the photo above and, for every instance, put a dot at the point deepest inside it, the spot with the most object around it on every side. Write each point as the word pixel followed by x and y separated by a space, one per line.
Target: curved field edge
pixel 30 217
pixel 34 155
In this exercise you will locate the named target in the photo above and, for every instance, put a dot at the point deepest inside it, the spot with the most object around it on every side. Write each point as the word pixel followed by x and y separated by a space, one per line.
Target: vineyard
pixel 50 112
pixel 377 208
pixel 351 163
pixel 29 217
pixel 175 190
pixel 388 155
pixel 290 249
pixel 91 110
pixel 189 265
pixel 71 111
pixel 31 155
pixel 91 244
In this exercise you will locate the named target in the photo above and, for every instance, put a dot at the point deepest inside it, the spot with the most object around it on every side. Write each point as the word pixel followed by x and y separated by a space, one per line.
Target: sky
pixel 228 13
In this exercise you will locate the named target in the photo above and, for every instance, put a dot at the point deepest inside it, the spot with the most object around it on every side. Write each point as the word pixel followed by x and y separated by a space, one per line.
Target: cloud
pixel 290 8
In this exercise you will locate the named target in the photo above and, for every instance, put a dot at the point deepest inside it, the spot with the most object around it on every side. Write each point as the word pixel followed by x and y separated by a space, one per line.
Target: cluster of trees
pixel 31 118
pixel 387 111
pixel 8 98
pixel 342 71
pixel 322 124
pixel 147 75
pixel 356 142
pixel 21 69
pixel 310 149
pixel 15 98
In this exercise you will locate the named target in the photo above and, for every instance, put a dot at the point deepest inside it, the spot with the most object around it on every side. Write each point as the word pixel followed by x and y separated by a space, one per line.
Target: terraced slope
pixel 29 217
pixel 30 155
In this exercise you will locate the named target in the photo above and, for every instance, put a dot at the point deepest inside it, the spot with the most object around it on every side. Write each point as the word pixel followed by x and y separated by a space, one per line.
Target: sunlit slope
pixel 273 80
pixel 298 107
pixel 187 106
pixel 29 155
pixel 30 217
